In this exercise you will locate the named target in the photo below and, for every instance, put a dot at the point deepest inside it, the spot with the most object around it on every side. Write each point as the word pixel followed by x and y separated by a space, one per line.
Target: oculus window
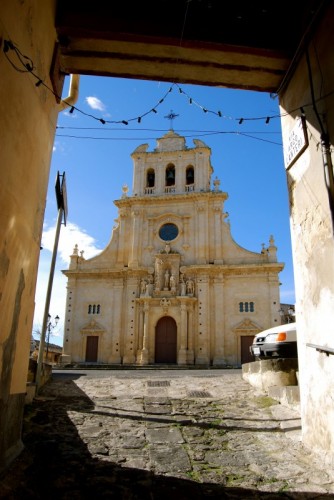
pixel 168 232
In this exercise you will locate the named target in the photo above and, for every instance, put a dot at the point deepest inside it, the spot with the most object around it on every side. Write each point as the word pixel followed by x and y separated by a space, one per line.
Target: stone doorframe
pixel 95 330
pixel 246 328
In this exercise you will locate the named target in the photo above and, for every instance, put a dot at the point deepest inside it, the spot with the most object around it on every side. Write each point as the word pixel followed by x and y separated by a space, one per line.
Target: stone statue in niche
pixel 158 274
pixel 143 286
pixel 149 287
pixel 183 285
pixel 190 287
pixel 172 283
pixel 166 287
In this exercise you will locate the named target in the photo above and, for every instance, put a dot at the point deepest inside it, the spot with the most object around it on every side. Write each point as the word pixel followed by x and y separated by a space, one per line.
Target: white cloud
pixel 95 103
pixel 70 235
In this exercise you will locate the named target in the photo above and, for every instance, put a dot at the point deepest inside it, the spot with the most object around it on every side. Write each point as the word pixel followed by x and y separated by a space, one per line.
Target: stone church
pixel 172 286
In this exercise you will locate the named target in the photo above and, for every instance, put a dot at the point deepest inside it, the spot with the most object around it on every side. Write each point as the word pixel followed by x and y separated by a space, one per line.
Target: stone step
pixel 287 396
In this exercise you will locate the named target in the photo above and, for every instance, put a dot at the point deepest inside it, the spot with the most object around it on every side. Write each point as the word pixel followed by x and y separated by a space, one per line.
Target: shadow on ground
pixel 56 464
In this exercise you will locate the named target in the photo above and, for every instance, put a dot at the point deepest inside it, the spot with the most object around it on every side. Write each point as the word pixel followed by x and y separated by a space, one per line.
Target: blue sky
pixel 247 157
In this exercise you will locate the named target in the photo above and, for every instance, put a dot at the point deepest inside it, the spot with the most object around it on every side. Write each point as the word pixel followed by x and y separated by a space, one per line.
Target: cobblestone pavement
pixel 155 435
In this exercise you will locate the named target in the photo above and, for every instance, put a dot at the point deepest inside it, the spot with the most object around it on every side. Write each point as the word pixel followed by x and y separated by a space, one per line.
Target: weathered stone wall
pixel 28 117
pixel 312 235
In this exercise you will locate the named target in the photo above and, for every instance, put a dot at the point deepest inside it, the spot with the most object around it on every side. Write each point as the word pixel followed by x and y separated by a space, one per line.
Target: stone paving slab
pixel 144 435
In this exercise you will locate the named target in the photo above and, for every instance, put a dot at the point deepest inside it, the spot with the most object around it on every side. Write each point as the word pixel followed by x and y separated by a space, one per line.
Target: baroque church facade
pixel 172 286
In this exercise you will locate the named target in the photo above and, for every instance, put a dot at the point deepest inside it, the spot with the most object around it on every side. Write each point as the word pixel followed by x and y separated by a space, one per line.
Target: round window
pixel 168 232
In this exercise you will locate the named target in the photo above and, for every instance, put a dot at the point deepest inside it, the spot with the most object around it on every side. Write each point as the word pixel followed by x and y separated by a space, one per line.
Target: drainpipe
pixel 72 98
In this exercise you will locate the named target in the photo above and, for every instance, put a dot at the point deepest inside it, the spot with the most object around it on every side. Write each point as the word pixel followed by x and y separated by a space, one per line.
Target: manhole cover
pixel 199 394
pixel 158 383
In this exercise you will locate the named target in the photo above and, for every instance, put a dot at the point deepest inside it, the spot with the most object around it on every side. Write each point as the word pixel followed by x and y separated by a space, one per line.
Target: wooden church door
pixel 91 349
pixel 165 340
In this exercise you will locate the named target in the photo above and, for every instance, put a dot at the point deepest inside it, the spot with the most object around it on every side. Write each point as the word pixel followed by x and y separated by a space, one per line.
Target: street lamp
pixel 282 314
pixel 291 313
pixel 50 327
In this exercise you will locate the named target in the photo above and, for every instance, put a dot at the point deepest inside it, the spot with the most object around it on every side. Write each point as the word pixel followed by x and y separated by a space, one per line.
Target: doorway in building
pixel 246 342
pixel 165 341
pixel 91 349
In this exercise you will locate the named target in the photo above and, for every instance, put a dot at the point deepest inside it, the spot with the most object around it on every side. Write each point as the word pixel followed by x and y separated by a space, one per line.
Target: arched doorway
pixel 165 340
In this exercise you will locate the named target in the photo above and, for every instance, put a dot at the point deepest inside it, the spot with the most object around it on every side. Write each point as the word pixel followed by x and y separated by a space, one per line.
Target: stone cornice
pixel 162 198
pixel 233 269
pixel 114 273
pixel 190 151
pixel 192 270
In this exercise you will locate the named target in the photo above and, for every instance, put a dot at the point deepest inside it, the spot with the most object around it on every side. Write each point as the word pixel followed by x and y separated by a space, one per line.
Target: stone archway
pixel 166 341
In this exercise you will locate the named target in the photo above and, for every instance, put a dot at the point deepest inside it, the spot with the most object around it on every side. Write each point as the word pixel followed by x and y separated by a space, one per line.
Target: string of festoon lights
pixel 24 64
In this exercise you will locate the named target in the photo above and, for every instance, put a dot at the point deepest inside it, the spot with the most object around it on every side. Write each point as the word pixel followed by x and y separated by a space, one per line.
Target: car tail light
pixel 281 337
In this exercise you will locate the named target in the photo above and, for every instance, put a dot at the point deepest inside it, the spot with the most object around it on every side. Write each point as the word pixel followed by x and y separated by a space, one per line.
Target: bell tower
pixel 171 168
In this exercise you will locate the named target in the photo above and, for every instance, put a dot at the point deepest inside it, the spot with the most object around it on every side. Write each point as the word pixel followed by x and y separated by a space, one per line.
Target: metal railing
pixel 323 349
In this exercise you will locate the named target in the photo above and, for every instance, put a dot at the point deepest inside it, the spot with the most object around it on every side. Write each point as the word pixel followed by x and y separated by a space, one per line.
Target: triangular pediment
pixel 92 327
pixel 248 327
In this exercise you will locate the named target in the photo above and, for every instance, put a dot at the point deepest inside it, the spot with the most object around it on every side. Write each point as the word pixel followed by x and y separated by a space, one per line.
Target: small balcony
pixel 149 190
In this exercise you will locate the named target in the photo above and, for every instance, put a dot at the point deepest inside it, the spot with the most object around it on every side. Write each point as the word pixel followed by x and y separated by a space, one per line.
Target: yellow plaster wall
pixel 28 117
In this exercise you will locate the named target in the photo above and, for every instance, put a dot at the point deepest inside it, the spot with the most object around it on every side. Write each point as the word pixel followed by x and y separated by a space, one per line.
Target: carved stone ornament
pixel 165 303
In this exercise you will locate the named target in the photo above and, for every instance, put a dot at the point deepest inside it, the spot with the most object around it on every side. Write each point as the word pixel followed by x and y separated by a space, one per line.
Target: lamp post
pixel 49 328
pixel 282 314
pixel 291 313
pixel 287 317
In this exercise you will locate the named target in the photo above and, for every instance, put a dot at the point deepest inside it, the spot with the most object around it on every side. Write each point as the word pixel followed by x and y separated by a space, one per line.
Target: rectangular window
pixel 246 307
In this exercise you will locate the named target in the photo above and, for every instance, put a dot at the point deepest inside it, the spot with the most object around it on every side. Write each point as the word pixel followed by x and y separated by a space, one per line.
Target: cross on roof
pixel 171 117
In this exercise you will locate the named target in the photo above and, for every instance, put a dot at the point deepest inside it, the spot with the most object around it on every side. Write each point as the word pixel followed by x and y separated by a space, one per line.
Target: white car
pixel 279 342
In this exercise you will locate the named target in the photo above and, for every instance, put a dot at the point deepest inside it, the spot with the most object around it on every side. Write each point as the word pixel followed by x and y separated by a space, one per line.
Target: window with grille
pixel 246 307
pixel 94 309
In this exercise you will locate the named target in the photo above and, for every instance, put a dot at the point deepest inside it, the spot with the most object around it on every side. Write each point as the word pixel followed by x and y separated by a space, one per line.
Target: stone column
pixel 182 354
pixel 144 352
pixel 202 354
pixel 219 332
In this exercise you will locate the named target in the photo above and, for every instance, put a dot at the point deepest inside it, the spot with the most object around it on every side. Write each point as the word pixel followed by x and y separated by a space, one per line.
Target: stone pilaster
pixel 117 323
pixel 143 359
pixel 191 333
pixel 219 315
pixel 202 354
pixel 129 327
pixel 201 233
pixel 68 323
pixel 140 333
pixel 182 354
pixel 218 258
pixel 135 239
pixel 122 218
